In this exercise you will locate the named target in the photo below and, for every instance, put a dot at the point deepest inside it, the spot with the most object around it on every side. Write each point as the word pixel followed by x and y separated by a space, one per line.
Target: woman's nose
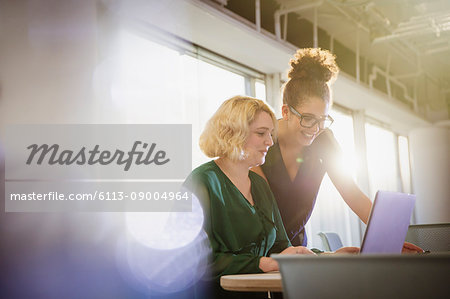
pixel 269 141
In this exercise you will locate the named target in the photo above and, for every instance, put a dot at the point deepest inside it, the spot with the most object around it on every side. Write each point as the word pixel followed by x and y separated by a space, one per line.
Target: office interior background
pixel 176 61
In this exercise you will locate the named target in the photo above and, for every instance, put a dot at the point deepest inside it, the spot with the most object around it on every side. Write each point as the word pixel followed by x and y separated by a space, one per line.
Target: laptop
pixel 388 222
pixel 379 272
pixel 368 276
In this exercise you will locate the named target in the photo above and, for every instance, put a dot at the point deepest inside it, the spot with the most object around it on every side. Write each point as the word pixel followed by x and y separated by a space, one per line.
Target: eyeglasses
pixel 309 121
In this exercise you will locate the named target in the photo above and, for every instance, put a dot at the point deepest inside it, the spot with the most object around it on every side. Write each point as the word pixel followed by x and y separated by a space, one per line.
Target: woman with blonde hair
pixel 241 216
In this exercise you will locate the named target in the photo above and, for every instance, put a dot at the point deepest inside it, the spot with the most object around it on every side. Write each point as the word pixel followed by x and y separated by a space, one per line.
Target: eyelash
pixel 262 134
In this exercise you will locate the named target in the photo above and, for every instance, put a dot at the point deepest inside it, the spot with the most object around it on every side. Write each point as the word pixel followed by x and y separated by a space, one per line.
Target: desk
pixel 261 282
pixel 351 276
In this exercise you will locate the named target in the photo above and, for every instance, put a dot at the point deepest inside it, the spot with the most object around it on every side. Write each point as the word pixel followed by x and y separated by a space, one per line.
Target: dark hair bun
pixel 314 64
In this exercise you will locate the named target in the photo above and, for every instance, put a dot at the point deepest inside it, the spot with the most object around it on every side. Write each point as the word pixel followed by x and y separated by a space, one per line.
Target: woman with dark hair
pixel 306 148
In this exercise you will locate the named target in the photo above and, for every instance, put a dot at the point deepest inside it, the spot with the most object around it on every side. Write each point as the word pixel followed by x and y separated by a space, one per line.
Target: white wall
pixel 430 151
pixel 48 60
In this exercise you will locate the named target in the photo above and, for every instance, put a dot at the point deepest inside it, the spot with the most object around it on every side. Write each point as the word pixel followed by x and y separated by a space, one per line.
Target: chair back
pixel 432 237
pixel 331 241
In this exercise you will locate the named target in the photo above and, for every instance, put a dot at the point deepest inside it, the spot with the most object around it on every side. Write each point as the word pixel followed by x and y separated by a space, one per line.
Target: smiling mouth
pixel 308 135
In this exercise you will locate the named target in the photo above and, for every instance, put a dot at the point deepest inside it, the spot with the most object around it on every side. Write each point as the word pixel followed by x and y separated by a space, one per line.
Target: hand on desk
pixel 407 248
pixel 297 250
pixel 344 250
pixel 347 250
pixel 268 264
pixel 411 248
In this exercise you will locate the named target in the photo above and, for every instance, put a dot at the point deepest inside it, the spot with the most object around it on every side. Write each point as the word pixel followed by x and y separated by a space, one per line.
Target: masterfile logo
pixel 98 152
pixel 97 168
pixel 53 155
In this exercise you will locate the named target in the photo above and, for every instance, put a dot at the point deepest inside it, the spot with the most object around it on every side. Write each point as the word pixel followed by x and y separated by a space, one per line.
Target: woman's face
pixel 314 108
pixel 259 139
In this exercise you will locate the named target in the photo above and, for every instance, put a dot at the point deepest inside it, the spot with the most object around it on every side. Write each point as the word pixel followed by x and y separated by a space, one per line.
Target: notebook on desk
pixel 388 222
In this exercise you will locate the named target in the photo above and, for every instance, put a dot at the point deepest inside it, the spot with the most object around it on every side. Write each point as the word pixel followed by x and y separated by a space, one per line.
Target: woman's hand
pixel 347 250
pixel 411 248
pixel 267 264
pixel 297 250
pixel 344 250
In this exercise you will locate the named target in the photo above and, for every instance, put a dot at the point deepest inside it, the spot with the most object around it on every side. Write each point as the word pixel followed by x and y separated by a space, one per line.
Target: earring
pixel 243 155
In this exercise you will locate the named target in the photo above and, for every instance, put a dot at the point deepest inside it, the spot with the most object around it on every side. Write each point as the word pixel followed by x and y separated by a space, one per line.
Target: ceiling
pixel 403 45
pixel 406 37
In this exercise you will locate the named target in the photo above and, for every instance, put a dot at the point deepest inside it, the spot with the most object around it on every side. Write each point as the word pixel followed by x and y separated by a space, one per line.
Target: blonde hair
pixel 227 130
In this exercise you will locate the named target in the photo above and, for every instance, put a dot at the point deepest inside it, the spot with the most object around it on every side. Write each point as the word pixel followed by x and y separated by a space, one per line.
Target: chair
pixel 331 241
pixel 433 237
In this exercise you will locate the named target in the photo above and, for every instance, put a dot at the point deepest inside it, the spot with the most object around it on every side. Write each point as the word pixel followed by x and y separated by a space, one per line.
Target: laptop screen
pixel 388 222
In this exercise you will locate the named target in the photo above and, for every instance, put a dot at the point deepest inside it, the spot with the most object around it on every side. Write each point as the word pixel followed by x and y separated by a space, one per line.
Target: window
pixel 260 90
pixel 210 86
pixel 405 170
pixel 381 159
pixel 145 81
pixel 388 169
pixel 152 83
pixel 331 213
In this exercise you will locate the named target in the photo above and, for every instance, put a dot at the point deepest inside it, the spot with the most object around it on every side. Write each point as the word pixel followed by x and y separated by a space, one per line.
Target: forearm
pixel 352 195
pixel 358 202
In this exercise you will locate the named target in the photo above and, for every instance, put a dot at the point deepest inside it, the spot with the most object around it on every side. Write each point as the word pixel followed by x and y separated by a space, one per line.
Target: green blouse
pixel 239 233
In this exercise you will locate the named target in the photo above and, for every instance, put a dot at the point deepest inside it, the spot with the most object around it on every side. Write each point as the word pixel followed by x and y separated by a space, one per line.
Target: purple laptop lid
pixel 388 222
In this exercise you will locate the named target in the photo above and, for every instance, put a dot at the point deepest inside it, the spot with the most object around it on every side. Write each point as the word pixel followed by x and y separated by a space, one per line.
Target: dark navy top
pixel 296 198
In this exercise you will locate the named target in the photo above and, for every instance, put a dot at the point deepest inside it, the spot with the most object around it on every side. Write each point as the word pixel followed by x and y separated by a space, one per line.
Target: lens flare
pixel 164 252
pixel 166 230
